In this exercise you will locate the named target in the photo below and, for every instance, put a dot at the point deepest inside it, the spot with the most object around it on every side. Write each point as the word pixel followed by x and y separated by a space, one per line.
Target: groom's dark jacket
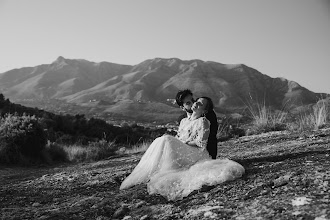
pixel 212 142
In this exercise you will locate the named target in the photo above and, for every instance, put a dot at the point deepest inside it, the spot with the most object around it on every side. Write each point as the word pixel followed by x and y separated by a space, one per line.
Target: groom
pixel 185 100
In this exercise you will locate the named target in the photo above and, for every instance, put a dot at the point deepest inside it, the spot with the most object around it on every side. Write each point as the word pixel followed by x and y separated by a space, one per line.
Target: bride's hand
pixel 191 144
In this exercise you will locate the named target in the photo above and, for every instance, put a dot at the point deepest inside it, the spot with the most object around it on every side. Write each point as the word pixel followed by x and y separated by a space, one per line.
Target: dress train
pixel 174 169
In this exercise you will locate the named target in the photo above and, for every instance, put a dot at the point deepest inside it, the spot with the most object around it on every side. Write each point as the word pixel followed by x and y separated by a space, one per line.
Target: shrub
pixel 56 153
pixel 22 139
pixel 102 149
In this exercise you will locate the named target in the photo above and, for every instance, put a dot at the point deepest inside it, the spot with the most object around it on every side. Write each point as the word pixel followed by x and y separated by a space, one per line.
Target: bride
pixel 175 166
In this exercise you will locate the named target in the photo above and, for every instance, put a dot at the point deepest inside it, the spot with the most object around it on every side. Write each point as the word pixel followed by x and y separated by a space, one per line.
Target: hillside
pixel 287 177
pixel 155 81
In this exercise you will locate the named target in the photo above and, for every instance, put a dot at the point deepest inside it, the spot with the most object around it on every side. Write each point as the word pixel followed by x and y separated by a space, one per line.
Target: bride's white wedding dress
pixel 174 169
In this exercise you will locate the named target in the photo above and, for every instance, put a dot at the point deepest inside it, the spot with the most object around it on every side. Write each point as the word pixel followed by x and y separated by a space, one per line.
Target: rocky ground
pixel 287 177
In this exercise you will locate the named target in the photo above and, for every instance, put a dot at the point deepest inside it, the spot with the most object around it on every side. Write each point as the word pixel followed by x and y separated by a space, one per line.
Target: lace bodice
pixel 194 131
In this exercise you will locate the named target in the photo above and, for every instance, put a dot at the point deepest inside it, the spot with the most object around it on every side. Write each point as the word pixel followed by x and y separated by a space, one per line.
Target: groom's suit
pixel 212 142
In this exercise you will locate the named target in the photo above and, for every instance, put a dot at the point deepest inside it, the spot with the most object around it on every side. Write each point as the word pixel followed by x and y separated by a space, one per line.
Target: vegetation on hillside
pixel 259 118
pixel 31 134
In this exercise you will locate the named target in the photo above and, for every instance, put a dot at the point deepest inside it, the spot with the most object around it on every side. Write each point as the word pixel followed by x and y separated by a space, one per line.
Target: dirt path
pixel 287 177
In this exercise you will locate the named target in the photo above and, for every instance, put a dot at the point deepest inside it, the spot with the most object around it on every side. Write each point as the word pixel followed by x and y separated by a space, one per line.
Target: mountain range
pixel 147 90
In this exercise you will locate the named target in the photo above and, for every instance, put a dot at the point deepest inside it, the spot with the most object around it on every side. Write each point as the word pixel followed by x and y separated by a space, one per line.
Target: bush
pixel 22 139
pixel 102 149
pixel 56 153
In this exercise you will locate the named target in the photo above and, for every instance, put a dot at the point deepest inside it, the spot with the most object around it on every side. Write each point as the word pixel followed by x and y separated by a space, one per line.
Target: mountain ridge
pixel 157 80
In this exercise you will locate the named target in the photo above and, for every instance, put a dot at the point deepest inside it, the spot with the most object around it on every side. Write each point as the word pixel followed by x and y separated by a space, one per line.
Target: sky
pixel 281 38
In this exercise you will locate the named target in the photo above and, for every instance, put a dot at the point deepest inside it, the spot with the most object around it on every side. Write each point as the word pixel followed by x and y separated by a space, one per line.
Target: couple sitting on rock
pixel 175 166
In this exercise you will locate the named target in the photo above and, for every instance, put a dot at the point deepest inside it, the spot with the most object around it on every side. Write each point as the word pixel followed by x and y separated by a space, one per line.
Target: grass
pixel 315 118
pixel 265 120
pixel 138 148
pixel 320 115
pixel 77 153
pixel 93 152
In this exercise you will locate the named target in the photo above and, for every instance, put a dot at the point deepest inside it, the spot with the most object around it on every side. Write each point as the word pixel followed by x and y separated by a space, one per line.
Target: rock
pixel 301 201
pixel 95 206
pixel 56 199
pixel 206 195
pixel 210 214
pixel 228 210
pixel 295 213
pixel 265 191
pixel 36 204
pixel 122 150
pixel 145 217
pixel 102 218
pixel 322 217
pixel 282 180
pixel 140 204
pixel 121 211
pixel 127 217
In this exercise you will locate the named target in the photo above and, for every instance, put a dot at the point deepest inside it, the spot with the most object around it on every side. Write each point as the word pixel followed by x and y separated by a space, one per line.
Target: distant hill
pixel 146 89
